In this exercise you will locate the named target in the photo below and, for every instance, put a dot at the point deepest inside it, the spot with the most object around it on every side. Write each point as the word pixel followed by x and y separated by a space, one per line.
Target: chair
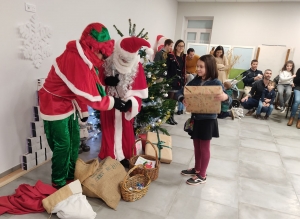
pixel 290 103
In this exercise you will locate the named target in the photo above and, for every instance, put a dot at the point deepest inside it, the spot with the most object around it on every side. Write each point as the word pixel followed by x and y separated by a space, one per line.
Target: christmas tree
pixel 156 108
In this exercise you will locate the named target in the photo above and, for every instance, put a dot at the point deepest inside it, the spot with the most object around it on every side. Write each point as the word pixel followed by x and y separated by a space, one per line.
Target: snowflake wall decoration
pixel 36 43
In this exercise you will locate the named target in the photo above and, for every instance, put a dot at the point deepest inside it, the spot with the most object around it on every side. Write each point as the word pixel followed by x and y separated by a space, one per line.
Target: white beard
pixel 126 79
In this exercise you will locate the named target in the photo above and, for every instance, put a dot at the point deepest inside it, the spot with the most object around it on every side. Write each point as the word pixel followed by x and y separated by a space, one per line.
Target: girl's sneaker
pixel 189 172
pixel 283 110
pixel 197 179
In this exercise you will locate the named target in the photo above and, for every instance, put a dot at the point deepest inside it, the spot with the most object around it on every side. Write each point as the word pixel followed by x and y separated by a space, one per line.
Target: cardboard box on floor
pixel 166 152
pixel 200 99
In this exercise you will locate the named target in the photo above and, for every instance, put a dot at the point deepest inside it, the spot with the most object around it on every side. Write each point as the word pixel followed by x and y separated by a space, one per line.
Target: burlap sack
pixel 83 170
pixel 62 194
pixel 104 182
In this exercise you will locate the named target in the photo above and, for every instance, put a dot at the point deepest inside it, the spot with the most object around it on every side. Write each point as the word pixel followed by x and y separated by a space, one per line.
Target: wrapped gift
pixel 163 146
pixel 200 99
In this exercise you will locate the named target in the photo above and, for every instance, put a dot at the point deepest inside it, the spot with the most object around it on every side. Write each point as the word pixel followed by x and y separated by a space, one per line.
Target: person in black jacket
pixel 251 101
pixel 251 76
pixel 176 71
pixel 296 100
pixel 266 102
pixel 163 53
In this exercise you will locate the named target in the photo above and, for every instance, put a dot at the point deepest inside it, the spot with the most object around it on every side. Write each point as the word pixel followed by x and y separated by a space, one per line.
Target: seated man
pixel 251 76
pixel 266 102
pixel 250 101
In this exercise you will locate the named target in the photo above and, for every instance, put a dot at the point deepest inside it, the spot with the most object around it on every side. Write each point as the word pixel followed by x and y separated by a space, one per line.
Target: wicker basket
pixel 134 194
pixel 153 172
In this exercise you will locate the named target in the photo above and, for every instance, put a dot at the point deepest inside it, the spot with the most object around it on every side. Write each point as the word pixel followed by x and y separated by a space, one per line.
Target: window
pixel 198 30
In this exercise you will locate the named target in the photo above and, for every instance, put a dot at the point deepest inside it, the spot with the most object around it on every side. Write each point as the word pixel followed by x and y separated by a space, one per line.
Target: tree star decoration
pixel 36 43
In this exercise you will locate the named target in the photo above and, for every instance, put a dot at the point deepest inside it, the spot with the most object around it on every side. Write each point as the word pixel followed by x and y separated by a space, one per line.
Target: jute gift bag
pixel 101 179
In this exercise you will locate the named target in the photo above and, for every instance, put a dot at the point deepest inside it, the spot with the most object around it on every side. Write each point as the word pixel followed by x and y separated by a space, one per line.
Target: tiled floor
pixel 254 173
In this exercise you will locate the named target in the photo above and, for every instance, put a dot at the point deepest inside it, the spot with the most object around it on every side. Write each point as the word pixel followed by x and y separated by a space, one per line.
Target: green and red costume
pixel 70 86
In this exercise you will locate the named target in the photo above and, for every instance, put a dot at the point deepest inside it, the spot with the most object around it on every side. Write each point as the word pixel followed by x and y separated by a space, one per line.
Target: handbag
pixel 189 125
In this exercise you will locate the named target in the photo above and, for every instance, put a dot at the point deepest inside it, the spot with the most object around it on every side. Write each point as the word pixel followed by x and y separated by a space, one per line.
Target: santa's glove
pixel 112 80
pixel 84 119
pixel 119 104
pixel 127 107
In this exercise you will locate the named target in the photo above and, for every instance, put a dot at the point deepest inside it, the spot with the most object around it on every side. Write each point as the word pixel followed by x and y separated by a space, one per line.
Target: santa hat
pixel 160 41
pixel 130 46
pixel 97 37
pixel 126 53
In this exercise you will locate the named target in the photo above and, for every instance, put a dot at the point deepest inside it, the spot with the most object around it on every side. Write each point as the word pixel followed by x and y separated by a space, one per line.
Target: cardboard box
pixel 40 153
pixel 26 158
pixel 37 125
pixel 33 141
pixel 166 152
pixel 200 99
pixel 36 113
pixel 29 165
pixel 38 132
pixel 34 148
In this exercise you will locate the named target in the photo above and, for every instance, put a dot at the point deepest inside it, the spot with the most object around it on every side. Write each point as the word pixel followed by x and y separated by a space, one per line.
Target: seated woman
pixel 222 63
pixel 296 103
pixel 285 84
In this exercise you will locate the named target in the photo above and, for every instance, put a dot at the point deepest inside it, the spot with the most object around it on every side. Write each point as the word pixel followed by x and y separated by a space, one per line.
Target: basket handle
pixel 136 141
pixel 156 157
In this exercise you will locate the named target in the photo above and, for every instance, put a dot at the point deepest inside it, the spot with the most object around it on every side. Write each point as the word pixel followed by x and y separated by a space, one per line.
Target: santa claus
pixel 70 86
pixel 125 79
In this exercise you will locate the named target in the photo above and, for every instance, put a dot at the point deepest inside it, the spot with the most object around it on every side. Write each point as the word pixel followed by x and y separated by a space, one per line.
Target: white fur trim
pixel 134 109
pixel 56 117
pixel 85 114
pixel 75 187
pixel 118 136
pixel 72 86
pixel 143 94
pixel 149 51
pixel 111 102
pixel 82 55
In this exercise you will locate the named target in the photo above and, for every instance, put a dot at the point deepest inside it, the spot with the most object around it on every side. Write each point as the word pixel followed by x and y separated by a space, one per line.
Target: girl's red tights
pixel 202 155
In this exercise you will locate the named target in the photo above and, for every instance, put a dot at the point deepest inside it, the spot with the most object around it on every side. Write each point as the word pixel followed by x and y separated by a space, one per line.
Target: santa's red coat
pixel 117 127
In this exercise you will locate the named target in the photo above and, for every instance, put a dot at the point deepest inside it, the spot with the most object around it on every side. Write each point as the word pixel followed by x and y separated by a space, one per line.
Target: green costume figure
pixel 70 86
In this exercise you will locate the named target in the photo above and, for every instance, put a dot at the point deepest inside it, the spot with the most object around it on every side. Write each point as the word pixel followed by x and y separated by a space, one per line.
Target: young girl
pixel 176 70
pixel 296 100
pixel 285 83
pixel 205 125
pixel 222 63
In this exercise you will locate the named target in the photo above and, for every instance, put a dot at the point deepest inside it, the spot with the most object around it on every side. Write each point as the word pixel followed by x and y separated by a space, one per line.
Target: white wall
pixel 248 24
pixel 67 19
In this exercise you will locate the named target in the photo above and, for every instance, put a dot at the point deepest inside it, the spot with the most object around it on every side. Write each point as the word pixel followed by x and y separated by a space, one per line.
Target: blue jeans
pixel 180 106
pixel 296 103
pixel 250 103
pixel 288 90
pixel 261 109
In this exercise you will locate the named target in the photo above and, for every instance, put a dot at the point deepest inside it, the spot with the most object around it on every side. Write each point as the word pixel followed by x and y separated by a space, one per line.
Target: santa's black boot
pixel 125 163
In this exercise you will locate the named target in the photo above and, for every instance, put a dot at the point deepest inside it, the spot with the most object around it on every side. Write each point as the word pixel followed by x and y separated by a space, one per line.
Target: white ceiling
pixel 238 0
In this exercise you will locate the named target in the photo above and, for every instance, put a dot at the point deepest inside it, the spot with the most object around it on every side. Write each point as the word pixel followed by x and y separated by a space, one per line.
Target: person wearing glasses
pixel 176 70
